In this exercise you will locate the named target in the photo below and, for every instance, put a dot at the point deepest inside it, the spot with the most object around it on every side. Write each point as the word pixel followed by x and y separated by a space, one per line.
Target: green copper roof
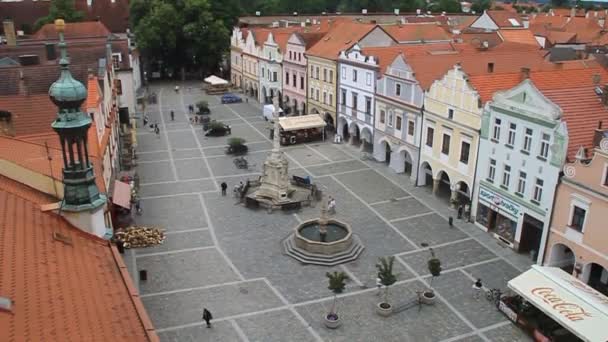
pixel 67 92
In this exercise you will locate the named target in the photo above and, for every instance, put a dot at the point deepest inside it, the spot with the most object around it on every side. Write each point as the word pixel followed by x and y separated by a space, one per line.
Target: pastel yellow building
pixel 450 136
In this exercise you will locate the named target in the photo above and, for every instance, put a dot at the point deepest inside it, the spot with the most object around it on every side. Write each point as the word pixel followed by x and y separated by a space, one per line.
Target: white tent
pixel 570 302
pixel 214 80
pixel 293 123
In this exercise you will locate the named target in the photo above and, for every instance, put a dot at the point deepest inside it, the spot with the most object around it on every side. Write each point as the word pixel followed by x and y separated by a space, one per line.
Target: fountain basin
pixel 338 239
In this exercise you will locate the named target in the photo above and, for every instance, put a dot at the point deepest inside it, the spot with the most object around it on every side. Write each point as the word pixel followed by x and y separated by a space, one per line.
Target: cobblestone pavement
pixel 229 259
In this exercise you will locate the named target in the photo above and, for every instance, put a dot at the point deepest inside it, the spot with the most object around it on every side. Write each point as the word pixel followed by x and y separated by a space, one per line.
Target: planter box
pixel 428 300
pixel 384 312
pixel 332 324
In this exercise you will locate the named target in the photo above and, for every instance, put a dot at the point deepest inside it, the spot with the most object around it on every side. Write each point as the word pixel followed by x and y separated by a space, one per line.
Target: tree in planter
pixel 336 285
pixel 203 107
pixel 387 277
pixel 237 146
pixel 434 265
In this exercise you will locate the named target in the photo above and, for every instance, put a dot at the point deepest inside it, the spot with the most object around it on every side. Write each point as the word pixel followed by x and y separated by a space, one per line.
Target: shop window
pixel 521 184
pixel 410 128
pixel 528 140
pixel 492 170
pixel 512 130
pixel 483 215
pixel 577 221
pixel 506 176
pixel 465 148
pixel 538 190
pixel 544 146
pixel 445 146
pixel 505 227
pixel 430 132
pixel 496 130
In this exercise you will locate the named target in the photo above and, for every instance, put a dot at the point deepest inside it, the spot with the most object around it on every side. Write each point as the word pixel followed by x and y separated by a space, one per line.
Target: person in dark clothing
pixel 145 120
pixel 172 116
pixel 157 131
pixel 207 317
pixel 224 187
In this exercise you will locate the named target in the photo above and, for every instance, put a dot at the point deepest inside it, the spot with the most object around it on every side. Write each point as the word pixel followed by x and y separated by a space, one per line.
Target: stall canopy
pixel 122 194
pixel 570 302
pixel 293 123
pixel 214 80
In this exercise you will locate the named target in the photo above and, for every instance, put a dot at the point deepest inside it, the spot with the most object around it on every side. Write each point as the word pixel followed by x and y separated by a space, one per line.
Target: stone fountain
pixel 323 241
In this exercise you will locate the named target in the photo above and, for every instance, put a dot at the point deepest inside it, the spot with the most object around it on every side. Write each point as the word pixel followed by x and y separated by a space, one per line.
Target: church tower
pixel 83 204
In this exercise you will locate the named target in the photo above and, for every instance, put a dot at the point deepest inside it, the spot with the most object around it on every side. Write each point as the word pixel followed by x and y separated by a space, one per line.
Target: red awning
pixel 122 194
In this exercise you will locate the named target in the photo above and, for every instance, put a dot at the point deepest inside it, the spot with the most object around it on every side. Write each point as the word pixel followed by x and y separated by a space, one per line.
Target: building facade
pixel 294 78
pixel 251 67
pixel 357 85
pixel 450 136
pixel 322 80
pixel 577 240
pixel 522 149
pixel 398 119
pixel 237 44
pixel 270 61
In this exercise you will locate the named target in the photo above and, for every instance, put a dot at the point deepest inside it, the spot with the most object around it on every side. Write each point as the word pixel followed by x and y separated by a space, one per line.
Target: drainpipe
pixel 475 175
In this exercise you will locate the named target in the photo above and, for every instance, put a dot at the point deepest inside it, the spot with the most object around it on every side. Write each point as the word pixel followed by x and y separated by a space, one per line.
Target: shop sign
pixel 571 311
pixel 499 202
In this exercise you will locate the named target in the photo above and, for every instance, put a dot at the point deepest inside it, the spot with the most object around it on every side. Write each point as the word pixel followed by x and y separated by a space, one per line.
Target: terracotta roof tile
pixel 25 192
pixel 31 114
pixel 519 36
pixel 559 37
pixel 386 55
pixel 582 107
pixel 73 30
pixel 417 32
pixel 342 36
pixel 504 18
pixel 66 285
pixel 93 93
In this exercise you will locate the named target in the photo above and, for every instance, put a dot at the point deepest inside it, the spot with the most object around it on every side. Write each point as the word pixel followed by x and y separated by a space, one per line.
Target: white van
pixel 269 112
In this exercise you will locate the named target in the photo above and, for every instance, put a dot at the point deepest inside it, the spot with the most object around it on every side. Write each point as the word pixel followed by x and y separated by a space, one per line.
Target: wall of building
pixel 295 63
pixel 327 86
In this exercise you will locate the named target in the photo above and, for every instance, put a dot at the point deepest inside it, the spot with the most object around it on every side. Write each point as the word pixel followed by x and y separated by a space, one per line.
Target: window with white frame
pixel 331 76
pixel 116 59
pixel 368 105
pixel 528 140
pixel 538 190
pixel 295 78
pixel 290 54
pixel 263 73
pixel 331 98
pixel 317 72
pixel 312 71
pixel 355 100
pixel 382 116
pixel 492 170
pixel 465 150
pixel 410 128
pixel 317 95
pixel 506 176
pixel 324 97
pixel 544 146
pixel 496 130
pixel 450 113
pixel 312 93
pixel 521 183
pixel 398 122
pixel 287 78
pixel 324 74
pixel 445 145
pixel 343 91
pixel 390 118
pixel 430 133
pixel 354 75
pixel 368 78
pixel 302 82
pixel 274 76
pixel 343 73
pixel 577 218
pixel 398 89
pixel 512 130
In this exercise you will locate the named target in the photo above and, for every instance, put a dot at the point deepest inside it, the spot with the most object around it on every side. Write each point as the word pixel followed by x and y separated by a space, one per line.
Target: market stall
pixel 555 306
pixel 215 85
pixel 296 129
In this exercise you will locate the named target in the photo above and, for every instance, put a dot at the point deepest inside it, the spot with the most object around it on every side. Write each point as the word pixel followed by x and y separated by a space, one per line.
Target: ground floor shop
pixel 515 224
pixel 294 103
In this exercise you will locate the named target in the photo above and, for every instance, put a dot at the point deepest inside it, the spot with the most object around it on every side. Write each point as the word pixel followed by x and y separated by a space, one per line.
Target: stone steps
pixel 351 254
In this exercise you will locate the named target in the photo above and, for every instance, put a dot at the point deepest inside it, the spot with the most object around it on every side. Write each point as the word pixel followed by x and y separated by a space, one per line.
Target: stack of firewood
pixel 140 236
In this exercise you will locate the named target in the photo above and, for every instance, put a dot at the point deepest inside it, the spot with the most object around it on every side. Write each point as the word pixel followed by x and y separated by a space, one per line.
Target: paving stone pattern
pixel 229 259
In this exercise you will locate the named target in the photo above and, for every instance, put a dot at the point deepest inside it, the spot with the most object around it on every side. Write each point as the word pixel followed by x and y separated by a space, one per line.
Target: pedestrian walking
pixel 207 317
pixel 145 120
pixel 191 109
pixel 477 287
pixel 224 187
pixel 236 191
pixel 196 120
pixel 138 208
pixel 176 89
pixel 460 210
pixel 172 116
pixel 157 131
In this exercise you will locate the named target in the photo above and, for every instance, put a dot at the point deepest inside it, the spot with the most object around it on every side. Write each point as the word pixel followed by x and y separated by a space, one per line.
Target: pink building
pixel 294 70
pixel 578 237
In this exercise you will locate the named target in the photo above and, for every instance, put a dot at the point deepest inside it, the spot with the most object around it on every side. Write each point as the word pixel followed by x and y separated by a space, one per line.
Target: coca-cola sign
pixel 571 311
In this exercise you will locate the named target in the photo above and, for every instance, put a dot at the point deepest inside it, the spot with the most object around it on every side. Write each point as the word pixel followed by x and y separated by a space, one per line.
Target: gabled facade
pixel 251 66
pixel 523 146
pixel 493 20
pixel 356 86
pixel 450 137
pixel 398 118
pixel 294 75
pixel 237 45
pixel 270 59
pixel 577 240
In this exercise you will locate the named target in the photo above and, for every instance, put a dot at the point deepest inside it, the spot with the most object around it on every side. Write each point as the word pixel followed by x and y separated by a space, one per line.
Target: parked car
pixel 231 98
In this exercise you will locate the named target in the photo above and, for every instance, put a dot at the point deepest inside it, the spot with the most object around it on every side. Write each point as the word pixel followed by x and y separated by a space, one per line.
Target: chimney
pixel 9 32
pixel 490 68
pixel 526 22
pixel 525 73
pixel 51 55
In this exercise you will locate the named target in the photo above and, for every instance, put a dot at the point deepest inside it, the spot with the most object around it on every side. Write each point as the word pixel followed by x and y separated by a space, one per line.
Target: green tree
pixel 60 9
pixel 481 5
pixel 336 285
pixel 386 275
pixel 449 6
pixel 560 3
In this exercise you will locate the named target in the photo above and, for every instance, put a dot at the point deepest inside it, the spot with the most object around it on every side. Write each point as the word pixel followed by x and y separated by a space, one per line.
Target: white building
pixel 357 74
pixel 125 61
pixel 270 70
pixel 522 149
pixel 398 119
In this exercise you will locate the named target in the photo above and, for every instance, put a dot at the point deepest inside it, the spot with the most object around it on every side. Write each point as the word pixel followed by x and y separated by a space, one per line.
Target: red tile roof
pixel 580 104
pixel 93 93
pixel 585 29
pixel 73 30
pixel 417 32
pixel 386 55
pixel 65 284
pixel 519 36
pixel 502 18
pixel 31 114
pixel 25 191
pixel 342 36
